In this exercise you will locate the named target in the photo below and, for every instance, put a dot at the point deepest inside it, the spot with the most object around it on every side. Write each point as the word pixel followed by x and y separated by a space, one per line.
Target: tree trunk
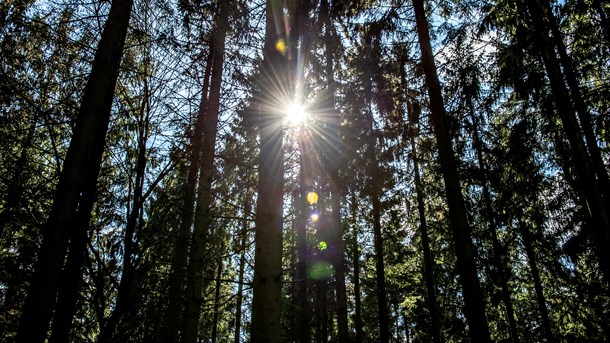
pixel 203 218
pixel 124 291
pixel 423 229
pixel 179 258
pixel 75 190
pixel 267 283
pixel 333 166
pixel 356 258
pixel 303 318
pixel 527 240
pixel 216 303
pixel 587 179
pixel 582 110
pixel 242 265
pixel 497 257
pixel 373 191
pixel 473 295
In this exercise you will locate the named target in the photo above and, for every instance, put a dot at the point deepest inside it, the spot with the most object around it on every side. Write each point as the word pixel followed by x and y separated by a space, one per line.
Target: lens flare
pixel 280 46
pixel 312 198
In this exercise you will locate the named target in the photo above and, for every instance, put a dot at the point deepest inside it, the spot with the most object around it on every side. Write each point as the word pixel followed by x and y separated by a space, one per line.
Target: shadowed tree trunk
pixel 356 259
pixel 333 164
pixel 497 258
pixel 75 192
pixel 179 257
pixel 474 308
pixel 267 283
pixel 414 112
pixel 242 264
pixel 203 216
pixel 124 289
pixel 582 161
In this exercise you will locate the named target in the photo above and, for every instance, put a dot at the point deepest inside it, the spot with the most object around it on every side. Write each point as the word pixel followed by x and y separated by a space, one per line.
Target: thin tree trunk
pixel 474 309
pixel 412 131
pixel 425 240
pixel 356 258
pixel 179 258
pixel 333 166
pixel 242 264
pixel 216 303
pixel 75 192
pixel 582 110
pixel 203 217
pixel 373 190
pixel 267 283
pixel 594 203
pixel 303 318
pixel 527 240
pixel 497 258
pixel 124 291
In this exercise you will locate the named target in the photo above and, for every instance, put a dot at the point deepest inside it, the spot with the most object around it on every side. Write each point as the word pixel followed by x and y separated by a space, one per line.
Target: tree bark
pixel 124 291
pixel 423 231
pixel 497 257
pixel 527 239
pixel 267 283
pixel 356 258
pixel 587 178
pixel 75 190
pixel 474 302
pixel 216 303
pixel 333 167
pixel 179 258
pixel 242 265
pixel 203 216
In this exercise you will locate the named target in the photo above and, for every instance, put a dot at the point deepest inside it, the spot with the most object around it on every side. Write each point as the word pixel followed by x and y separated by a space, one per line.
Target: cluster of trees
pixel 449 182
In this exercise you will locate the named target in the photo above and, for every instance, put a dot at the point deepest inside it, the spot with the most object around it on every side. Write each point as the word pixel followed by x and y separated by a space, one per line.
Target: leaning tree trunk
pixel 582 161
pixel 267 283
pixel 203 217
pixel 124 289
pixel 75 192
pixel 179 257
pixel 474 302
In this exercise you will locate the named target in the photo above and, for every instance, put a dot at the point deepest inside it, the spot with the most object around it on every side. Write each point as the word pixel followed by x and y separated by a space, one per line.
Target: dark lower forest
pixel 304 171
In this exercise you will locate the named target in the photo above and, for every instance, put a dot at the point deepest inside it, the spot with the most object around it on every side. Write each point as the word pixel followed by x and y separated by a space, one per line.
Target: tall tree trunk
pixel 582 110
pixel 423 228
pixel 527 239
pixel 203 217
pixel 75 192
pixel 124 290
pixel 179 258
pixel 333 166
pixel 473 295
pixel 303 318
pixel 373 189
pixel 216 303
pixel 242 264
pixel 356 259
pixel 267 283
pixel 497 257
pixel 587 178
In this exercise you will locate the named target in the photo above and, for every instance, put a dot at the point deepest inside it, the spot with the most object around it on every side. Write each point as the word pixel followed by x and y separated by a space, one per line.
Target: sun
pixel 295 113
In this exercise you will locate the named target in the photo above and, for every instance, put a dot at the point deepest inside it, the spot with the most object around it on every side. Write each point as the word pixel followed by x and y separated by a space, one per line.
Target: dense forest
pixel 304 171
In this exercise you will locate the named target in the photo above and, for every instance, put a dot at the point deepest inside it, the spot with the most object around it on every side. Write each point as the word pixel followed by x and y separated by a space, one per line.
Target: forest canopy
pixel 304 171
